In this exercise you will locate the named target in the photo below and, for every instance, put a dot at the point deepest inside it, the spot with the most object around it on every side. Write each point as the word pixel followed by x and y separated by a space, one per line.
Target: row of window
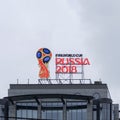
pixel 57 114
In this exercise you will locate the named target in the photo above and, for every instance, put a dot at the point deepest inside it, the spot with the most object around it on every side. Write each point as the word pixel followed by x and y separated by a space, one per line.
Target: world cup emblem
pixel 43 55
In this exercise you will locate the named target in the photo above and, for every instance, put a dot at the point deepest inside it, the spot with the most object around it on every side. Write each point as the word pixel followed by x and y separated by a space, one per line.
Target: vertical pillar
pixel 89 111
pixel 6 111
pixel 39 112
pixel 98 111
pixel 12 112
pixel 111 111
pixel 65 110
pixel 116 112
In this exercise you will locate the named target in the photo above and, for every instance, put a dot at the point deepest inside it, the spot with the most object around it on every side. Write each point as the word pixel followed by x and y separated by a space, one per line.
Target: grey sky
pixel 90 27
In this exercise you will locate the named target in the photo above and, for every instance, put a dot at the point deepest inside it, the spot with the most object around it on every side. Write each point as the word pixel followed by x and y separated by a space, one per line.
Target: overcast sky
pixel 90 27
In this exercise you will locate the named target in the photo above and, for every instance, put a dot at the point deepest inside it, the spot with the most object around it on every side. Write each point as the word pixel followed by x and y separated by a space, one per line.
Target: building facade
pixel 58 102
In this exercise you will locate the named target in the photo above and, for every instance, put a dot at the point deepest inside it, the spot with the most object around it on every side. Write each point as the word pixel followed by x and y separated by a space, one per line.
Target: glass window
pixel 51 111
pixel 25 112
pixel 76 113
pixel 105 111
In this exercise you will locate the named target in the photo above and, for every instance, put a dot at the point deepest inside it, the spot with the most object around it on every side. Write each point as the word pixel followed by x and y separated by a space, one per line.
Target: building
pixel 59 102
pixel 59 99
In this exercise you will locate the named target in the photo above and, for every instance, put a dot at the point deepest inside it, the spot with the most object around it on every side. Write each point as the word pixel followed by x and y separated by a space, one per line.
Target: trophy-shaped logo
pixel 43 55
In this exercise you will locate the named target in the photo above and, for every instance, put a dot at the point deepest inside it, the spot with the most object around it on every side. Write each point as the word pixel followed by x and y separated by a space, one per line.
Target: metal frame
pixel 46 96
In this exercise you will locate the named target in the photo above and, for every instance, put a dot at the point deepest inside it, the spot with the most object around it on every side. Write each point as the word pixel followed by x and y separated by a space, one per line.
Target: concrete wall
pixel 82 89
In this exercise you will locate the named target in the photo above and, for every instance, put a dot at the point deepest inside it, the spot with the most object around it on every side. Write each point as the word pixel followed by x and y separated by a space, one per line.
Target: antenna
pixel 17 81
pixel 28 80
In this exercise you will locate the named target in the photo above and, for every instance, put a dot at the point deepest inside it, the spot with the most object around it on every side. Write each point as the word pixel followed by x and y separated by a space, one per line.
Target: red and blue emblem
pixel 43 55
